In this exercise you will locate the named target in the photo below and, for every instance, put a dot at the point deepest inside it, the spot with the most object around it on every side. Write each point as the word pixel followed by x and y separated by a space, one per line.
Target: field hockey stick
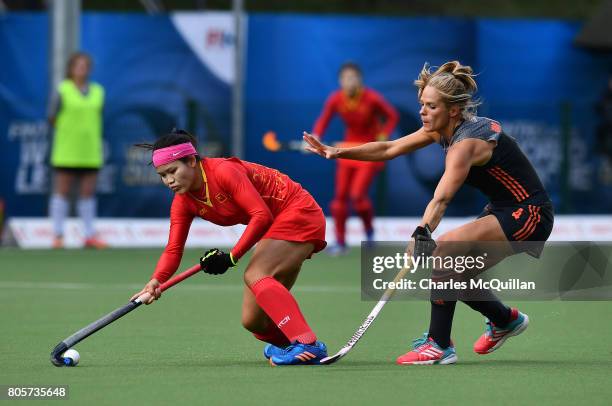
pixel 271 143
pixel 85 332
pixel 367 322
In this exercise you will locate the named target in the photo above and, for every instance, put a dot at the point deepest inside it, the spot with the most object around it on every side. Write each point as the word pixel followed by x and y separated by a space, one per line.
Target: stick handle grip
pixel 180 277
pixel 171 282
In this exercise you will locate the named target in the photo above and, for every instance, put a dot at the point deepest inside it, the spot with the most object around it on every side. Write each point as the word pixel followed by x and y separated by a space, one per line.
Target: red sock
pixel 339 211
pixel 273 336
pixel 365 210
pixel 281 307
pixel 367 216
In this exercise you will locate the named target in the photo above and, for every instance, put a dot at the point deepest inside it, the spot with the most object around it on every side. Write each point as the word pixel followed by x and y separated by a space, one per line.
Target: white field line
pixel 135 287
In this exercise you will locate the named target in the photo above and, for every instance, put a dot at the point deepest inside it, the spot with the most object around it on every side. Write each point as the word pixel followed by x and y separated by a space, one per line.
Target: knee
pixel 454 243
pixel 444 244
pixel 61 190
pixel 356 199
pixel 337 205
pixel 280 274
pixel 87 191
pixel 446 237
pixel 361 202
pixel 252 275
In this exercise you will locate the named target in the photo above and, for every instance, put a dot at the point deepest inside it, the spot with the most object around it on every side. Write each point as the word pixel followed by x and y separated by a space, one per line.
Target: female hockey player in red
pixel 362 110
pixel 480 154
pixel 282 219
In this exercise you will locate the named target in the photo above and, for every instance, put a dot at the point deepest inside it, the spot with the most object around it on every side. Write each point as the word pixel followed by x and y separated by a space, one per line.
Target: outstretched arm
pixel 373 151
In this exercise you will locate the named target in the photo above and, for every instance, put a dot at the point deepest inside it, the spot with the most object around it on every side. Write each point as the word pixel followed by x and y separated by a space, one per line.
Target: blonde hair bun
pixel 455 82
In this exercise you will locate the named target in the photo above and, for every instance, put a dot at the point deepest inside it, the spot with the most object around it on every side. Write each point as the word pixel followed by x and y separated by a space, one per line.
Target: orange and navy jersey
pixel 367 115
pixel 508 177
pixel 234 192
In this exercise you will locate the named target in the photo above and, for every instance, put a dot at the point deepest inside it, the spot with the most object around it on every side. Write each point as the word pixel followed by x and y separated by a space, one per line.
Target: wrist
pixel 422 231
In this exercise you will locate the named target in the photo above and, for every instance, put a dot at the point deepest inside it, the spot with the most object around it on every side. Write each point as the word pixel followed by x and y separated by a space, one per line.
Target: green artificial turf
pixel 190 347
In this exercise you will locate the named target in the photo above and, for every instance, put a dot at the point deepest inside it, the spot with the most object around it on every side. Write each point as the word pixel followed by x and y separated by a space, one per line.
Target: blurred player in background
pixel 478 153
pixel 282 219
pixel 368 117
pixel 75 112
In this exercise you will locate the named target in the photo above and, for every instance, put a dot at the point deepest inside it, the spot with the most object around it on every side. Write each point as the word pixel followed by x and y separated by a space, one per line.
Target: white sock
pixel 58 209
pixel 87 211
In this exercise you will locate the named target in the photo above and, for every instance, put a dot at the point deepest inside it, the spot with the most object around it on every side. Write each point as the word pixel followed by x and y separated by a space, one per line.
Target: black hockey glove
pixel 423 243
pixel 216 262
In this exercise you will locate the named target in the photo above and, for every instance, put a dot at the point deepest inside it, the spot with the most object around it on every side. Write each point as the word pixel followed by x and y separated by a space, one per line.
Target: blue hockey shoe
pixel 301 354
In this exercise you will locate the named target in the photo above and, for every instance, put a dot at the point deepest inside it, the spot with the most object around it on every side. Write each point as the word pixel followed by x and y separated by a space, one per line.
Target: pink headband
pixel 169 154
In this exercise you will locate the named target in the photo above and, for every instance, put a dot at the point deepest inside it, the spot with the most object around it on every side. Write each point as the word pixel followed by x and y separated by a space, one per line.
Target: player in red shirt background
pixel 368 117
pixel 282 219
